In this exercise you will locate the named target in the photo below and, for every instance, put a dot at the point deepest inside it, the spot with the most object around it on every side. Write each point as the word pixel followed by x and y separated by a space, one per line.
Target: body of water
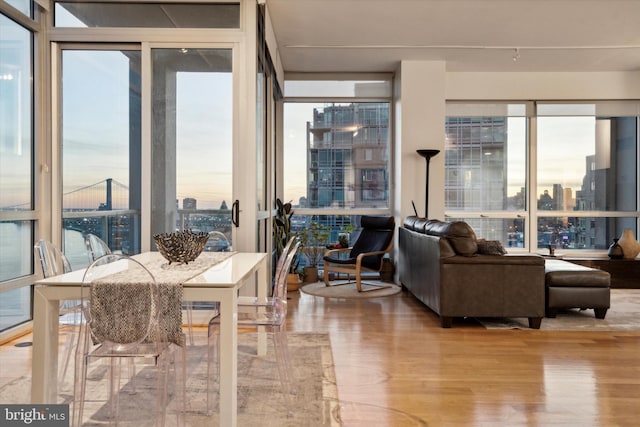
pixel 16 254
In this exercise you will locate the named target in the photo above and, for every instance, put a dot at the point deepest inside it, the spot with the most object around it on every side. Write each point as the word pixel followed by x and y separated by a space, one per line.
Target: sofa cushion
pixel 490 247
pixel 459 233
pixel 410 222
pixel 462 238
pixel 435 227
pixel 560 273
pixel 420 224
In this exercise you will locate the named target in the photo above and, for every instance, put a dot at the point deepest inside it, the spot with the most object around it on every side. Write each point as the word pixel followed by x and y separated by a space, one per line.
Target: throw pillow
pixel 490 247
pixel 462 238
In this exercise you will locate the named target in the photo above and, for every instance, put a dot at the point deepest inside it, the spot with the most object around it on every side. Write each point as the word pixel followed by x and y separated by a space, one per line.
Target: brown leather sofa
pixel 439 263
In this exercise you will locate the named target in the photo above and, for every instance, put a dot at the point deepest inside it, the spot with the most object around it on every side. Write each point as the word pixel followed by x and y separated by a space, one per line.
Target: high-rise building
pixel 189 203
pixel 475 175
pixel 347 161
pixel 348 156
pixel 476 163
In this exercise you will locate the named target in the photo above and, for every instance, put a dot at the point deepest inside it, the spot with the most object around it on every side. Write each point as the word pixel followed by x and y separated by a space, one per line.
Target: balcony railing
pixel 120 229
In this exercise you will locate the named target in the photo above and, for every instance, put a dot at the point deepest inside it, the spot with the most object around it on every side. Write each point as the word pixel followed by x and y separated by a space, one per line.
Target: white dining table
pixel 220 282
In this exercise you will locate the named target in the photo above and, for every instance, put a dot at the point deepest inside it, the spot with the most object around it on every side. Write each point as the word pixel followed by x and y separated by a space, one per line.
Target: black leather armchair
pixel 375 240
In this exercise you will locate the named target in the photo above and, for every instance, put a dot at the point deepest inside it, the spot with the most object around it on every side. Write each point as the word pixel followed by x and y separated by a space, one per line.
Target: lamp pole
pixel 427 154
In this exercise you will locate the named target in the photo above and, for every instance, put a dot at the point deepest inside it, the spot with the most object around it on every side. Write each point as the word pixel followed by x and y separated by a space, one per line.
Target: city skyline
pixel 300 167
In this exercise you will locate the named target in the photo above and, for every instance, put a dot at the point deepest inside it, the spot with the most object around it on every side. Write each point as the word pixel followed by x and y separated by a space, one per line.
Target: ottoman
pixel 569 285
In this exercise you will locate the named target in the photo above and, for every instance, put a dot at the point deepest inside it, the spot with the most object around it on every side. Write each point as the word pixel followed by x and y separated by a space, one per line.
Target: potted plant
pixel 313 241
pixel 387 270
pixel 281 235
pixel 294 279
pixel 281 226
pixel 345 235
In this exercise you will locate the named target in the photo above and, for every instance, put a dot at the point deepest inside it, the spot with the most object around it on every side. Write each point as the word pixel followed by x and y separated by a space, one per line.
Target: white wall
pixel 272 44
pixel 543 86
pixel 419 124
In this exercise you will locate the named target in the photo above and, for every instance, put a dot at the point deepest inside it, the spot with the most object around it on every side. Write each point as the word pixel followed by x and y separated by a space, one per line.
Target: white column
pixel 419 124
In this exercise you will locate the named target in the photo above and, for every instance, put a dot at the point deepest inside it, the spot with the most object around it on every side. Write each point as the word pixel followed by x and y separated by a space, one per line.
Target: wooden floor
pixel 396 367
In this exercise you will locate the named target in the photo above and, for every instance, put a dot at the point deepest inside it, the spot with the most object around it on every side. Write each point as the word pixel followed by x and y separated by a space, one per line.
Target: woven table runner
pixel 121 293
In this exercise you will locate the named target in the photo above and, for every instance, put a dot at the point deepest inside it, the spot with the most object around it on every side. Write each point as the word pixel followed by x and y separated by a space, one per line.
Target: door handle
pixel 235 213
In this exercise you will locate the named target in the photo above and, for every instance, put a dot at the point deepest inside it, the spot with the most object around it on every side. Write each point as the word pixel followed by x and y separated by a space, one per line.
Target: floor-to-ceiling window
pixel 120 37
pixel 162 120
pixel 337 145
pixel 100 98
pixel 485 168
pixel 587 173
pixel 17 155
pixel 539 174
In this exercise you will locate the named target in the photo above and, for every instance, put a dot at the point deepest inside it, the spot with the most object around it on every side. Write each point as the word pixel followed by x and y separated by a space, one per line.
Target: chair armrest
pixel 366 254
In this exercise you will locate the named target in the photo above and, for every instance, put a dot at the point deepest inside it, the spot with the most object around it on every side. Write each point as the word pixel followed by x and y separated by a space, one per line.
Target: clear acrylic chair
pixel 96 247
pixel 218 242
pixel 124 319
pixel 270 316
pixel 246 300
pixel 53 262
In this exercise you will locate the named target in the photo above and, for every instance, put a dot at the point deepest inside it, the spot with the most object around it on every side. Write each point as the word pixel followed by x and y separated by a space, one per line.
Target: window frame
pixel 531 213
pixel 333 77
pixel 39 175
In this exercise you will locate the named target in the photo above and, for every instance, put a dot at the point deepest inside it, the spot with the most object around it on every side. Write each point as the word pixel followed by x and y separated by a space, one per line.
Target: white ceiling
pixel 470 35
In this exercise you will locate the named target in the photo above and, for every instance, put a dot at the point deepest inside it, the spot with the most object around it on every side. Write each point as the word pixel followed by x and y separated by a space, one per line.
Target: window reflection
pixel 16 159
pixel 15 116
pixel 15 249
pixel 15 306
pixel 571 380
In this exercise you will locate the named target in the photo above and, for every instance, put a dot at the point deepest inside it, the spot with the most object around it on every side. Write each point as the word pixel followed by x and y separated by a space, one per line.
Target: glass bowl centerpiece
pixel 181 246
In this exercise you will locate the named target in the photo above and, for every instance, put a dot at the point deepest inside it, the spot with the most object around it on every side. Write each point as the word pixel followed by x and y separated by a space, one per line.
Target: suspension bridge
pixel 108 194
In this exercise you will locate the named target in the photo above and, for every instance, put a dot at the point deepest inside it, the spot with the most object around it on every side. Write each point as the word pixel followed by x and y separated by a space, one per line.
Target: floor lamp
pixel 427 154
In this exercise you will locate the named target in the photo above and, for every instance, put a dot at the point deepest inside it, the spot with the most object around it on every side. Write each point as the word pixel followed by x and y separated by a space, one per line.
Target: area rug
pixel 260 401
pixel 349 290
pixel 623 315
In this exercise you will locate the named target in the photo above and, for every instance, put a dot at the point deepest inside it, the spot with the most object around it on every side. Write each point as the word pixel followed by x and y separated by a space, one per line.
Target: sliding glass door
pixel 112 159
pixel 192 142
pixel 100 137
